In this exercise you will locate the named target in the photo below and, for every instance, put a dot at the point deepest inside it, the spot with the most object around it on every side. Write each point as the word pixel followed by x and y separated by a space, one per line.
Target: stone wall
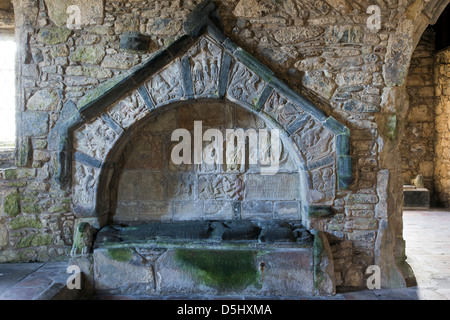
pixel 417 147
pixel 324 49
pixel 442 162
pixel 152 188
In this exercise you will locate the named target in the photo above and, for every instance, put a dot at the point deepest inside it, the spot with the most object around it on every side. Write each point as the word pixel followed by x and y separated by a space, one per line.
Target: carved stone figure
pixel 83 240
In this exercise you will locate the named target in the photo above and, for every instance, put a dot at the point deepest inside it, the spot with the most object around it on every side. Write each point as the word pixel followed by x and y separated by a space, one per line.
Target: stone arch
pixel 154 130
pixel 200 65
pixel 394 110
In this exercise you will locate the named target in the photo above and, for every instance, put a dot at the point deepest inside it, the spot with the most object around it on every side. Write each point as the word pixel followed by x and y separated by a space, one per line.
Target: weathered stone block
pixel 355 198
pixel 135 41
pixel 344 34
pixel 297 34
pixel 289 210
pixel 88 54
pixel 141 185
pixel 188 210
pixel 90 12
pixel 118 61
pixel 41 155
pixel 91 72
pixel 122 270
pixel 25 222
pixel 34 124
pixel 319 83
pixel 43 100
pixel 255 210
pixel 416 198
pixel 54 36
pixel 4 237
pixel 218 210
pixel 362 224
pixel 10 202
pixel 277 187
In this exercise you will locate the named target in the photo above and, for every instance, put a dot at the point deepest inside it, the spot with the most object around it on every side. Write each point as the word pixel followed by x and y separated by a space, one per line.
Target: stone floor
pixel 427 247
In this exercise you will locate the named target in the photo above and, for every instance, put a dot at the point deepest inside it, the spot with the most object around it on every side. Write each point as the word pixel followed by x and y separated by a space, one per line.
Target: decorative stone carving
pixel 83 240
pixel 323 181
pixel 245 86
pixel 229 187
pixel 181 187
pixel 314 141
pixel 85 181
pixel 205 60
pixel 166 86
pixel 129 110
pixel 283 111
pixel 84 13
pixel 95 139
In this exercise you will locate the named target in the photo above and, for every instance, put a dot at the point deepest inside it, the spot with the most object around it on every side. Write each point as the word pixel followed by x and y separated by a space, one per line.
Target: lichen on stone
pixel 221 269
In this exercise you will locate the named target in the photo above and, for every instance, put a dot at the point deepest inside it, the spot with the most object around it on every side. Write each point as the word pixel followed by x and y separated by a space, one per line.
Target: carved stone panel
pixel 129 110
pixel 283 111
pixel 85 183
pixel 181 187
pixel 314 141
pixel 166 86
pixel 220 187
pixel 280 186
pixel 95 139
pixel 205 58
pixel 322 185
pixel 245 86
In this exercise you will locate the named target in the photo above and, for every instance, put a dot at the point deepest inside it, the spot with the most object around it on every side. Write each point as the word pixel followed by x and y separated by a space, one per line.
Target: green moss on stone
pixel 120 254
pixel 59 208
pixel 35 241
pixel 17 184
pixel 97 92
pixel 88 54
pixel 54 36
pixel 10 174
pixel 28 199
pixel 11 205
pixel 391 127
pixel 24 222
pixel 318 251
pixel 221 269
pixel 31 208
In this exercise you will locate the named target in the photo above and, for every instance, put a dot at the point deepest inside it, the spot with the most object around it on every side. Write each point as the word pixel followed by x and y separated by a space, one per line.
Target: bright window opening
pixel 7 92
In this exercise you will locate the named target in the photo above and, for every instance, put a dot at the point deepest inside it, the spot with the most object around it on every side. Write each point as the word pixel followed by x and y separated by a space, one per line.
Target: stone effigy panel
pixel 205 60
pixel 85 183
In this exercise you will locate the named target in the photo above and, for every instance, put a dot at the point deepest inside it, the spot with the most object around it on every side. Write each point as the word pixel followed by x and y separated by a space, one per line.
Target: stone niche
pixel 191 228
pixel 151 187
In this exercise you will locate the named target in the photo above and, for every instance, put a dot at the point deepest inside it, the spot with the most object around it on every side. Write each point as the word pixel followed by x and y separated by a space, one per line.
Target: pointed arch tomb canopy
pixel 203 64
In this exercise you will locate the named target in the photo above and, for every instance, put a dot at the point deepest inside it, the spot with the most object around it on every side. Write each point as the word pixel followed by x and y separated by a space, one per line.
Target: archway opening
pixel 424 149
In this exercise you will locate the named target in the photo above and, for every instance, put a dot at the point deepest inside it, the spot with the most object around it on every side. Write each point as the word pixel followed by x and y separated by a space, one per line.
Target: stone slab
pixel 416 198
pixel 205 271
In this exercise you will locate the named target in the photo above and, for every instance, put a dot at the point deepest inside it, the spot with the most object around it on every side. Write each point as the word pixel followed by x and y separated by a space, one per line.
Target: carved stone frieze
pixel 129 110
pixel 95 139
